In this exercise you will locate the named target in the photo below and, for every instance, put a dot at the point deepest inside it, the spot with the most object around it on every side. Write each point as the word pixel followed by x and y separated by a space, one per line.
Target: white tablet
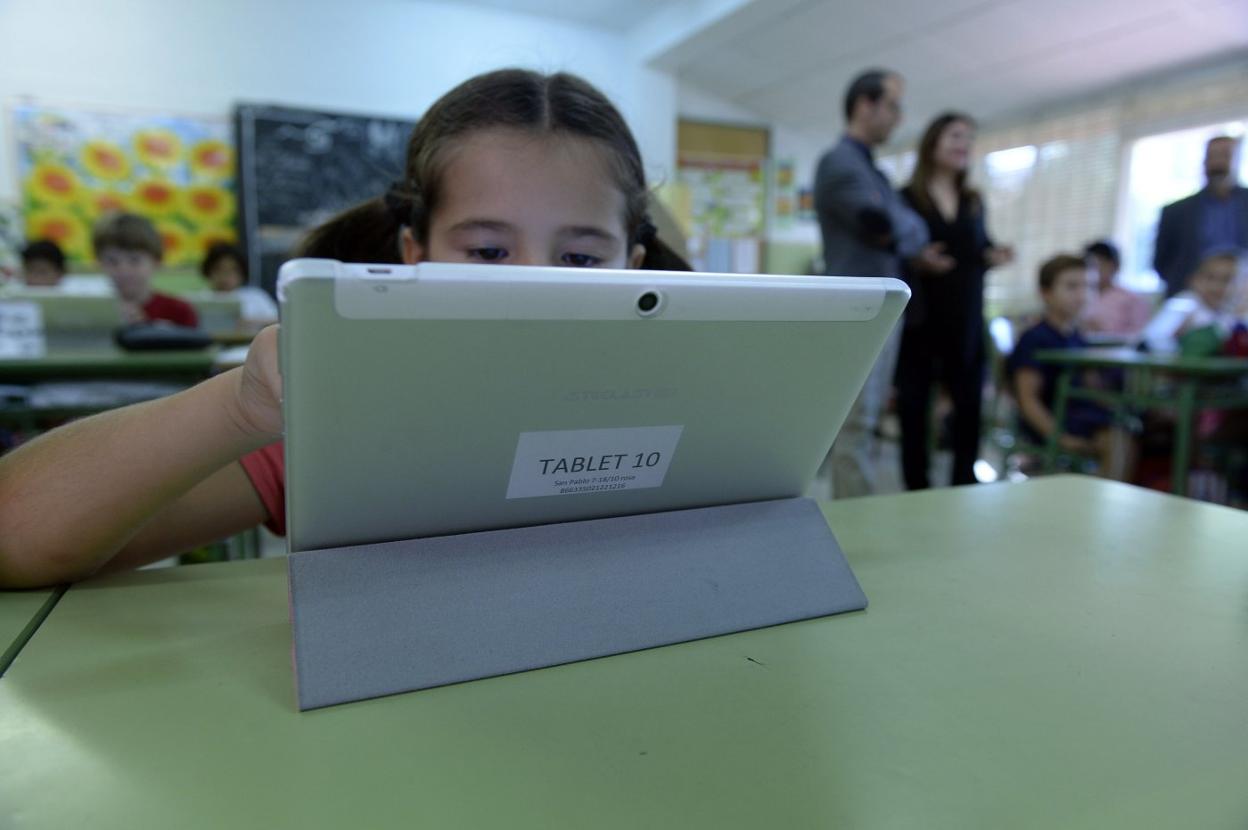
pixel 447 398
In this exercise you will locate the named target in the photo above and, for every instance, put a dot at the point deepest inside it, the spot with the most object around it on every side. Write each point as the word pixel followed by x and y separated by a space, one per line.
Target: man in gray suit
pixel 1215 219
pixel 867 232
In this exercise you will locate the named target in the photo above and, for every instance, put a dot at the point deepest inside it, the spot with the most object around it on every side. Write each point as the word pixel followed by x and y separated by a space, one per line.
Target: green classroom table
pixel 1061 653
pixel 111 363
pixel 1194 383
pixel 20 614
pixel 180 368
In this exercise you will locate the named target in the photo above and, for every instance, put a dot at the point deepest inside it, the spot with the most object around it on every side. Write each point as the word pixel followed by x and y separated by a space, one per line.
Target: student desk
pixel 111 363
pixel 20 614
pixel 181 368
pixel 1065 652
pixel 233 338
pixel 1196 383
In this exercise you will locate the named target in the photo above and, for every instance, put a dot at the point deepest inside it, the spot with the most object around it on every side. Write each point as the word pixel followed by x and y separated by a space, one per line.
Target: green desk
pixel 1194 383
pixel 1063 653
pixel 21 612
pixel 233 338
pixel 184 368
pixel 111 363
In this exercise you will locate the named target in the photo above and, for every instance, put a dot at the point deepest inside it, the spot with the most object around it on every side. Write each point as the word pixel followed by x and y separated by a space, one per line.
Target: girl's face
pixel 1212 283
pixel 226 274
pixel 953 148
pixel 510 197
pixel 41 272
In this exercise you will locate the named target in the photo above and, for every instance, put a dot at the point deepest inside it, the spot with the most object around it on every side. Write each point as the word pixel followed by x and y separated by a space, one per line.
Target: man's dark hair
pixel 869 85
pixel 1104 249
pixel 45 250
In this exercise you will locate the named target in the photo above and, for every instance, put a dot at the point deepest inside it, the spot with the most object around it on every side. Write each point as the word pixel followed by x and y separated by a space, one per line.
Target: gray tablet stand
pixel 374 620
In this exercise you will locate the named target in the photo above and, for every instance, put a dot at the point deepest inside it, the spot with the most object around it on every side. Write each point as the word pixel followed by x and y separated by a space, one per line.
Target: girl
pixel 1198 321
pixel 509 167
pixel 225 269
pixel 944 331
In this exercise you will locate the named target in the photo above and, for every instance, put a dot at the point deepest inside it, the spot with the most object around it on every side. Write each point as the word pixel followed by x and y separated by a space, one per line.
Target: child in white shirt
pixel 1205 304
pixel 225 268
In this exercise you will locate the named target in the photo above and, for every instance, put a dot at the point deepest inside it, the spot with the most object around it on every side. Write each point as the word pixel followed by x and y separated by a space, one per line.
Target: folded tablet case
pixel 379 619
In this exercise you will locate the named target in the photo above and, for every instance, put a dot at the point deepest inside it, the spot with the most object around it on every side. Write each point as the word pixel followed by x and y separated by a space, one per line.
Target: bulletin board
pixel 76 165
pixel 723 171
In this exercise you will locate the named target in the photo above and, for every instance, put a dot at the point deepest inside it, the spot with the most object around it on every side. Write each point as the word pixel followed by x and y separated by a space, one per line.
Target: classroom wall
pixel 385 57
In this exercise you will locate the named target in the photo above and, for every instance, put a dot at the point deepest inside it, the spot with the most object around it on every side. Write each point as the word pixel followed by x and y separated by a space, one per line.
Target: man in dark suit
pixel 1214 219
pixel 868 230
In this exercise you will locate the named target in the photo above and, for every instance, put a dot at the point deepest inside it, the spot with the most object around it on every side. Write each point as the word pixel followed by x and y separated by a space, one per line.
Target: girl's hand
pixel 258 396
pixel 933 260
pixel 998 256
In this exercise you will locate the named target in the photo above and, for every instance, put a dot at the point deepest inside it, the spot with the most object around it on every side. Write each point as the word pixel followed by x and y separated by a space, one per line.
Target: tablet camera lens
pixel 647 302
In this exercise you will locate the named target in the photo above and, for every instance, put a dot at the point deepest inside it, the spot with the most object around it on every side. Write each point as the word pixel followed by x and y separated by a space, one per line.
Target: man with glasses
pixel 868 231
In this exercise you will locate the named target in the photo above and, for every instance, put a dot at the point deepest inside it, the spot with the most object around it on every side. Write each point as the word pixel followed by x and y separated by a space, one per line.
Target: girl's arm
pixel 136 484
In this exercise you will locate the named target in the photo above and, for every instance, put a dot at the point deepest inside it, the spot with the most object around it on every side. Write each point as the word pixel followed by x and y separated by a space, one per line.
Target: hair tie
pixel 399 202
pixel 646 232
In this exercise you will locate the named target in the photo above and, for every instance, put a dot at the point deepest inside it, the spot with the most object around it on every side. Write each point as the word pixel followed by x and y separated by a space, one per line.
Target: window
pixel 1051 192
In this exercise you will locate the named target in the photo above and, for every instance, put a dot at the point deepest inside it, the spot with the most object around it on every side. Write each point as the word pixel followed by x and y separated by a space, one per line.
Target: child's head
pixel 1103 258
pixel 519 168
pixel 224 267
pixel 128 248
pixel 43 263
pixel 1064 287
pixel 1212 281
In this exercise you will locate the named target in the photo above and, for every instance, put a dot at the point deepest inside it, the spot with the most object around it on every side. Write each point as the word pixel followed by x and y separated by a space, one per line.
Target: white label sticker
pixel 21 330
pixel 580 461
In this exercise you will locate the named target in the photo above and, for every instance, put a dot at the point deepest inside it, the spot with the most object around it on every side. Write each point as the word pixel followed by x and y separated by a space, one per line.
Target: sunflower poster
pixel 74 166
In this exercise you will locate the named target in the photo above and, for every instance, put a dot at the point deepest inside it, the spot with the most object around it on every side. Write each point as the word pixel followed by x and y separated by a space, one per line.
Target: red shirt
pixel 164 307
pixel 266 468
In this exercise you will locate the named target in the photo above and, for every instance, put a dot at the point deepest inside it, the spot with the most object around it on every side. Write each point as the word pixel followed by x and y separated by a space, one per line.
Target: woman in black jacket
pixel 943 338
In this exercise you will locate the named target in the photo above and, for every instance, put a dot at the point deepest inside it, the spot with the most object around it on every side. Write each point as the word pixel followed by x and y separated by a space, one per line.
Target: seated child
pixel 1088 428
pixel 1198 321
pixel 129 249
pixel 225 268
pixel 43 264
pixel 1115 310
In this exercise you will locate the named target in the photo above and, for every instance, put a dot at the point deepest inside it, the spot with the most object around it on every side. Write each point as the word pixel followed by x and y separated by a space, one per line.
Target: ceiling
pixel 789 60
pixel 609 14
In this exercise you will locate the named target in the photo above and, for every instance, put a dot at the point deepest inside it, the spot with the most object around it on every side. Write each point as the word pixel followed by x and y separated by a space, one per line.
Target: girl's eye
pixel 581 260
pixel 487 254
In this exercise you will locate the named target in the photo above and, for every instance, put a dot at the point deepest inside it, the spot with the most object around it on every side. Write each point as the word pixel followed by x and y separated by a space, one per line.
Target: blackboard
pixel 296 168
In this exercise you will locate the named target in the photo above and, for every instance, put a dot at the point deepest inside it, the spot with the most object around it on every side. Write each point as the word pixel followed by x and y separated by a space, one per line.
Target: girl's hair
pixel 556 105
pixel 925 166
pixel 219 251
pixel 44 250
